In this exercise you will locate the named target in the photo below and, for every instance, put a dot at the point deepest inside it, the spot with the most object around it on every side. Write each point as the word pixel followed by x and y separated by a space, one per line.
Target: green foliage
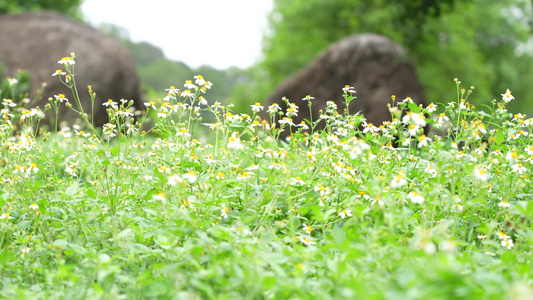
pixel 161 74
pixel 158 73
pixel 67 7
pixel 475 40
pixel 144 53
pixel 22 87
pixel 116 213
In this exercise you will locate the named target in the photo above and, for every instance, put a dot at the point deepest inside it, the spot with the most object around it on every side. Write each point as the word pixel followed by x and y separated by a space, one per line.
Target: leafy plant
pixel 118 212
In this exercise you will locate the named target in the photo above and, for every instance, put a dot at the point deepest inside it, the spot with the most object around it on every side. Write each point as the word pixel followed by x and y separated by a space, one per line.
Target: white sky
pixel 219 33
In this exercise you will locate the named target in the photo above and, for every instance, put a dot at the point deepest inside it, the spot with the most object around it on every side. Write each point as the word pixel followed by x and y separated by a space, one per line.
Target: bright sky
pixel 219 33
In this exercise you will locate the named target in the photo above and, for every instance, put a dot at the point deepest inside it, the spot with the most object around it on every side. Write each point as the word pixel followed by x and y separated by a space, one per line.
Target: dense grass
pixel 173 213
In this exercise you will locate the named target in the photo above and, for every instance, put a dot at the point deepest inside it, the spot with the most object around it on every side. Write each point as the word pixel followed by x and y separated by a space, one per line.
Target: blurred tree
pixel 67 7
pixel 482 42
pixel 115 30
pixel 158 73
pixel 144 53
pixel 223 83
pixel 161 74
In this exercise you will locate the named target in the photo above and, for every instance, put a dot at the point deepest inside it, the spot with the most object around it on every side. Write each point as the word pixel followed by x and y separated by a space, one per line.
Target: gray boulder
pixel 36 41
pixel 376 66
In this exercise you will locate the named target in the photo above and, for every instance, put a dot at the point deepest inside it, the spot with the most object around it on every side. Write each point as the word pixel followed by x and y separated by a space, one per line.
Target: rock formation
pixel 36 41
pixel 374 65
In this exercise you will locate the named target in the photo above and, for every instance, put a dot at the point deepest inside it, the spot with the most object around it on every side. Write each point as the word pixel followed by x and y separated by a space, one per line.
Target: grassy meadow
pixel 166 206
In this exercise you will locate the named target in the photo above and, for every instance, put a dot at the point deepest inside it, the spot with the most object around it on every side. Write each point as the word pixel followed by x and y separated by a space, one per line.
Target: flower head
pixel 59 73
pixel 481 173
pixel 111 103
pixel 344 213
pixel 507 243
pixel 25 251
pixel 66 61
pixel 306 241
pixel 507 97
pixel 415 197
pixel 348 89
pixel 274 108
pixel 297 181
pixel 5 216
pixel 307 228
pixel 199 80
pixel 224 211
pixel 417 118
pixel 187 93
pixel 423 140
pixel 160 197
pixel 8 103
pixel 61 97
pixel 189 85
pixel 190 176
pixel 398 181
pixel 519 168
pixel 504 204
pixel 235 142
pixel 257 107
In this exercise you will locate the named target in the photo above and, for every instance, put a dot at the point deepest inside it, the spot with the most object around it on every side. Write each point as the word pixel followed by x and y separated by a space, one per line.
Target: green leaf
pixel 525 208
pixel 150 211
pixel 103 258
pixel 60 243
pixel 269 282
pixel 77 248
pixel 24 224
pixel 139 248
pixel 126 234
pixel 115 151
pixel 508 258
pixel 530 209
pixel 166 240
pixel 339 236
pixel 483 228
pixel 156 290
pixel 91 193
pixel 499 138
pixel 237 124
pixel 414 107
pixel 72 190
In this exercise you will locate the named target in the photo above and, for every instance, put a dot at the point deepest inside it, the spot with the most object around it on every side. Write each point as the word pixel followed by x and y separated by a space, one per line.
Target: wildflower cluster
pixel 134 212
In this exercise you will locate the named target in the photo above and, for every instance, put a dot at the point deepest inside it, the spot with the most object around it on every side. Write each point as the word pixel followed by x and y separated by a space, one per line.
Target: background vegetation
pixel 484 42
pixel 157 72
pixel 67 7
pixel 114 213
